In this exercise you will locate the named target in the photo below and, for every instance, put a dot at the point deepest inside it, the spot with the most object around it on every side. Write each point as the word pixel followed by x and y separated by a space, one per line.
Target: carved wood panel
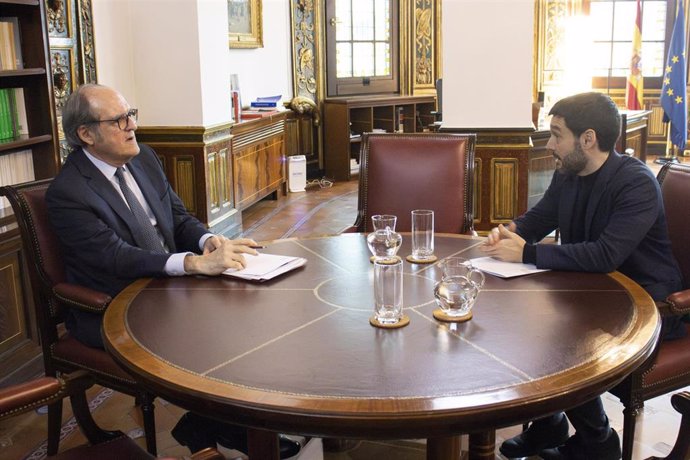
pixel 72 52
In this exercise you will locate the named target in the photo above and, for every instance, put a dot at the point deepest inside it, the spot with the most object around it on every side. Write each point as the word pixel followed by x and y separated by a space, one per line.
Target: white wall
pixel 487 86
pixel 168 57
pixel 267 71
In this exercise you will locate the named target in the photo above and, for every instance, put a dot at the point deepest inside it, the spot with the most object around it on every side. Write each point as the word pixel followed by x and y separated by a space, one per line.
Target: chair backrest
pixel 674 179
pixel 42 250
pixel 400 172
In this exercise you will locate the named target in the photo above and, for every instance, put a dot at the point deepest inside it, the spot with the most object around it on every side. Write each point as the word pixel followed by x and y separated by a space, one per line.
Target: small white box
pixel 297 173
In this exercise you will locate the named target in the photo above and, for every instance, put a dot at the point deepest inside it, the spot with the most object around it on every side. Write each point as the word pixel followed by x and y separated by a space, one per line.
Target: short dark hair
pixel 594 111
pixel 76 112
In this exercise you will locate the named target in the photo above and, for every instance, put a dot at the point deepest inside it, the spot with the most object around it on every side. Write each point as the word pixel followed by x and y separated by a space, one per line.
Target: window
pixel 612 23
pixel 362 46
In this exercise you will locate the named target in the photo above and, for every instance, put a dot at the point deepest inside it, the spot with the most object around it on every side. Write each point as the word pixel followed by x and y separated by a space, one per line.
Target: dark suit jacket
pixel 93 222
pixel 625 227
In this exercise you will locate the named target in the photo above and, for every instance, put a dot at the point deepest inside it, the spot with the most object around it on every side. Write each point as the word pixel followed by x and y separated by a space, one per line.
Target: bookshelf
pixel 347 118
pixel 32 154
pixel 40 132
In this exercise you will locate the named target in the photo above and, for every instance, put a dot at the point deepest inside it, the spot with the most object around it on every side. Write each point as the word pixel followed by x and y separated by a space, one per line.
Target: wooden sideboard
pixel 347 118
pixel 258 159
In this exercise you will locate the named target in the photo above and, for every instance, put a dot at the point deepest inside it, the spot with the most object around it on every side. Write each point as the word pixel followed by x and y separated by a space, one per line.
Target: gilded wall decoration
pixel 423 43
pixel 60 62
pixel 72 52
pixel 304 48
pixel 551 14
pixel 87 47
pixel 57 17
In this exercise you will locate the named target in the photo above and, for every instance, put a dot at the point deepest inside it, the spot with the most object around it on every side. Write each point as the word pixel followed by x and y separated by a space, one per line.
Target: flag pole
pixel 670 150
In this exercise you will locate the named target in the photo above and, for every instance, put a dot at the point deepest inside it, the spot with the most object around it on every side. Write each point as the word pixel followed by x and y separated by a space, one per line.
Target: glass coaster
pixel 389 260
pixel 443 316
pixel 404 321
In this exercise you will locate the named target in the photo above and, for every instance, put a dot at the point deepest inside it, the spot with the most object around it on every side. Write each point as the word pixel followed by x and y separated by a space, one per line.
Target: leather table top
pixel 298 353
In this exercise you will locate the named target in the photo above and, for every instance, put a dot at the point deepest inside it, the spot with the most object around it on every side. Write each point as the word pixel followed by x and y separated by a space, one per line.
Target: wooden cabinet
pixel 346 119
pixel 258 159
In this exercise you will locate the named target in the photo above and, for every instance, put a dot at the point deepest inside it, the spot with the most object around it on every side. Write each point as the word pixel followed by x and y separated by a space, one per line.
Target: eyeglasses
pixel 122 121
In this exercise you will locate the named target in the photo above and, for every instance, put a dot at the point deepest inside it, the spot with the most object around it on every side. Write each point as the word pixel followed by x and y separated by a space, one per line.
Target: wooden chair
pixel 668 369
pixel 400 172
pixel 681 449
pixel 51 295
pixel 104 445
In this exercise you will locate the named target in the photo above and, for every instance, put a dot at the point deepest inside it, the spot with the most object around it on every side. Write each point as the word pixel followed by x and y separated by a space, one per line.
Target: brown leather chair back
pixel 403 172
pixel 42 250
pixel 675 188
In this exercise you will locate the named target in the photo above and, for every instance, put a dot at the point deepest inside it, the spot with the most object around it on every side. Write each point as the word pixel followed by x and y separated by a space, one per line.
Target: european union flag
pixel 673 90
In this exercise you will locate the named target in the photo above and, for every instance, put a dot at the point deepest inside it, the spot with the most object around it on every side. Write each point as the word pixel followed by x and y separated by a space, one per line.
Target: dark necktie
pixel 145 234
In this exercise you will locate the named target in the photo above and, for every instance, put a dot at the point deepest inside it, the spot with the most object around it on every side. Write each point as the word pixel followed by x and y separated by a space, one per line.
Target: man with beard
pixel 610 214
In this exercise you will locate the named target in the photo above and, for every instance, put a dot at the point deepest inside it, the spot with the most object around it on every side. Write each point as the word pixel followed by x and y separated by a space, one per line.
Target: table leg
pixel 446 448
pixel 263 445
pixel 483 445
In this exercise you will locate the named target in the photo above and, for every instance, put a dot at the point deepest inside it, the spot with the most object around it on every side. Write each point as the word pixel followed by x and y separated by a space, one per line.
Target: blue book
pixel 263 104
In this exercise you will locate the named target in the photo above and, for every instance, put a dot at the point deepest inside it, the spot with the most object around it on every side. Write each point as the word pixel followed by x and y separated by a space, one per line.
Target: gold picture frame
pixel 244 24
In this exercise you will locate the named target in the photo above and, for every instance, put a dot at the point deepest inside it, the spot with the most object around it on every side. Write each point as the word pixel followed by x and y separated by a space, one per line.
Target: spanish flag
pixel 635 86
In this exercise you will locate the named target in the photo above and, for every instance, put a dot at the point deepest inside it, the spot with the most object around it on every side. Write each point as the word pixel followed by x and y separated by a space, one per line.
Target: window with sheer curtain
pixel 362 46
pixel 612 23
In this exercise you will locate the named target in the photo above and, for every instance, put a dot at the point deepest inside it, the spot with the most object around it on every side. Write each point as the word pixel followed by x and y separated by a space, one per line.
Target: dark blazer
pixel 93 222
pixel 625 227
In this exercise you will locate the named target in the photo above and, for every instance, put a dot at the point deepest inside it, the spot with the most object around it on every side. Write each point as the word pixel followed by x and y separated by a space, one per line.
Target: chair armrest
pixel 81 297
pixel 350 229
pixel 681 402
pixel 677 303
pixel 23 397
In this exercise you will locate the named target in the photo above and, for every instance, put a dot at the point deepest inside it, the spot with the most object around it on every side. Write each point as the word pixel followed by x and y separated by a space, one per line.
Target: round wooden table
pixel 297 354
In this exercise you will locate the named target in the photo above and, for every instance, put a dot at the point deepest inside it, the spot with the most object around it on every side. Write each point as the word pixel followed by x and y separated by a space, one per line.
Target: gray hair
pixel 76 112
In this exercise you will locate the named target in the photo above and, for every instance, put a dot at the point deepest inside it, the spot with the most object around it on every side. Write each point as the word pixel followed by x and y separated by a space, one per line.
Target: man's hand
pixel 220 253
pixel 504 244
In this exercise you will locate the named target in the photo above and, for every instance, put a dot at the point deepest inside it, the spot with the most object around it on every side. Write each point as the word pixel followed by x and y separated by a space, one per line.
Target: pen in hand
pixel 254 246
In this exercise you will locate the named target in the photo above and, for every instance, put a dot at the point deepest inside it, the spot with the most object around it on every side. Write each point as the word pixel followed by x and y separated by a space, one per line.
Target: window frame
pixel 650 82
pixel 353 86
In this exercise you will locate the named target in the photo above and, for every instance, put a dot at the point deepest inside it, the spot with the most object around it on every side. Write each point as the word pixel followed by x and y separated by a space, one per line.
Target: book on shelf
pixel 15 168
pixel 10 126
pixel 10 44
pixel 266 102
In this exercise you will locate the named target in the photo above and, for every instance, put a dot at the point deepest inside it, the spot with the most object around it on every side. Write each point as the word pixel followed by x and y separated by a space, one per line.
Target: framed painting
pixel 244 24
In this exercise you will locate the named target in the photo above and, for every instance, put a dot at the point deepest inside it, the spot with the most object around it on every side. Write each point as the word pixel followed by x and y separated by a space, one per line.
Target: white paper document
pixel 504 269
pixel 263 267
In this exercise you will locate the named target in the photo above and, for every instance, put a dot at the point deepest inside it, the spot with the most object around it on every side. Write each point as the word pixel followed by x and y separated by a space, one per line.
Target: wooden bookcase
pixel 20 353
pixel 347 118
pixel 36 81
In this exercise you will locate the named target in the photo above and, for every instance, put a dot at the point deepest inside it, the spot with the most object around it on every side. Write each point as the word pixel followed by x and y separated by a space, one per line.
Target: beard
pixel 572 163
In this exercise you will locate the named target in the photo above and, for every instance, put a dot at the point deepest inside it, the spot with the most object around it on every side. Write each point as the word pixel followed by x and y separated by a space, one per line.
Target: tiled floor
pixel 318 211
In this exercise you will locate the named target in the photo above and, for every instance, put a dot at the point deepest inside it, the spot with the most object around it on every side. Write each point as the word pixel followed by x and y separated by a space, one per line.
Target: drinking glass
pixel 459 287
pixel 388 291
pixel 422 234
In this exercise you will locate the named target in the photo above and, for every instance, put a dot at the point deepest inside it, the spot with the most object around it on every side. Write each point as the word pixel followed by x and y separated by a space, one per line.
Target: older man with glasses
pixel 115 213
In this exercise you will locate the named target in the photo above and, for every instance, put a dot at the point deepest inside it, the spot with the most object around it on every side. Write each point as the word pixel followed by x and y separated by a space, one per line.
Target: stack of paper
pixel 504 269
pixel 263 267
